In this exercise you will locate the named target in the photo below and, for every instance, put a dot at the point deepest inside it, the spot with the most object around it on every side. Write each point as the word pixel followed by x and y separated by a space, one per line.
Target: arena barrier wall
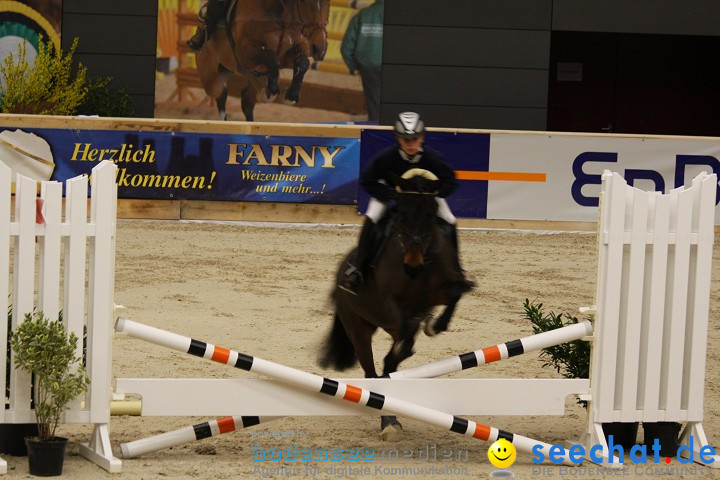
pixel 194 169
pixel 60 238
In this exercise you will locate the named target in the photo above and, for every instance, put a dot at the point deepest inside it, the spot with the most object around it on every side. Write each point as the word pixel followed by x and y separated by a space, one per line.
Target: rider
pixel 210 16
pixel 410 135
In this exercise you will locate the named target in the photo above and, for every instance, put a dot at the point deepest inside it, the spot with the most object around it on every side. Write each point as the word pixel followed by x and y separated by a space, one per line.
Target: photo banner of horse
pixel 193 166
pixel 553 176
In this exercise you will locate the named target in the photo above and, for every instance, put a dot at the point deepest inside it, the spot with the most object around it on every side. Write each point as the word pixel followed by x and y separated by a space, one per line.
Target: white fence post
pixel 61 244
pixel 653 292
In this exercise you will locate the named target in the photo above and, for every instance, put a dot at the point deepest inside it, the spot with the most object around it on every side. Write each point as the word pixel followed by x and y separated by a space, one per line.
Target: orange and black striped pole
pixel 498 352
pixel 333 388
pixel 196 432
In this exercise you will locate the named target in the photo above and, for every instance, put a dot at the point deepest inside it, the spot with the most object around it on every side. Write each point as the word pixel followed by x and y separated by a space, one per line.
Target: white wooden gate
pixel 57 250
pixel 653 293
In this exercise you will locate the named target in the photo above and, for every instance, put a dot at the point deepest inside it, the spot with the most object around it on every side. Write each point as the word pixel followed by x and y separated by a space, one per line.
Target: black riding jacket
pixel 390 160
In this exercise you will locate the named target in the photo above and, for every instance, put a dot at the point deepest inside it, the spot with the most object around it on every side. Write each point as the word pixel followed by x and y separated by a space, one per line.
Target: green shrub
pixel 42 347
pixel 105 101
pixel 48 86
pixel 570 359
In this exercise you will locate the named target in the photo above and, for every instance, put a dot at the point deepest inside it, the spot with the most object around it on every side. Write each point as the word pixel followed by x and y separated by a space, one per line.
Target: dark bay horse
pixel 262 37
pixel 413 273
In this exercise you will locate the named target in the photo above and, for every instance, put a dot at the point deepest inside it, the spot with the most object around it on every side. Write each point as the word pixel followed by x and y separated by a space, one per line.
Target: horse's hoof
pixel 392 433
pixel 271 97
pixel 287 101
pixel 429 327
pixel 401 350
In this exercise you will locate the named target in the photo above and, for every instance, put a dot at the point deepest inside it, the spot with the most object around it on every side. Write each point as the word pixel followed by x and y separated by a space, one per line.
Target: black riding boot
pixel 197 41
pixel 450 231
pixel 353 276
pixel 210 15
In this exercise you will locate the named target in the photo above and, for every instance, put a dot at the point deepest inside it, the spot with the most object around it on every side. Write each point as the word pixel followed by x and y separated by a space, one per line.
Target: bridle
pixel 423 240
pixel 312 25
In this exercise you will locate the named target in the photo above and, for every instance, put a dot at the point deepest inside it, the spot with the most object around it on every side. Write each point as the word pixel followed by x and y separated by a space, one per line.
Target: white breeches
pixel 376 210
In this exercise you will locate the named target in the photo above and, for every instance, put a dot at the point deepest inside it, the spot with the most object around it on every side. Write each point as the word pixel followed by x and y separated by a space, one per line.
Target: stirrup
pixel 352 278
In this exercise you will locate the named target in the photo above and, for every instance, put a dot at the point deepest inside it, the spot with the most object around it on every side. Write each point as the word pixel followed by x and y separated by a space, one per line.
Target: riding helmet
pixel 409 125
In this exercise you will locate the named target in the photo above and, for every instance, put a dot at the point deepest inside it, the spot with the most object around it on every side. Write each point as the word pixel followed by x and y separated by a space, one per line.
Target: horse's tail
pixel 338 352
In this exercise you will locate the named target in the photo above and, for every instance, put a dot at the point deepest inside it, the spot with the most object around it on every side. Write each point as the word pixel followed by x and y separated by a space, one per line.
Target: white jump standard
pixel 333 388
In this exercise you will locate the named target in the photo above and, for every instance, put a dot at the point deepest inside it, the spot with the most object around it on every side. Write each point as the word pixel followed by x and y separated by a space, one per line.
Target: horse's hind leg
pixel 248 100
pixel 360 333
pixel 221 101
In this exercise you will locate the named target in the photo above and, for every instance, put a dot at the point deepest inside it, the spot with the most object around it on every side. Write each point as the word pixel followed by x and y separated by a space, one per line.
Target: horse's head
pixel 314 15
pixel 416 216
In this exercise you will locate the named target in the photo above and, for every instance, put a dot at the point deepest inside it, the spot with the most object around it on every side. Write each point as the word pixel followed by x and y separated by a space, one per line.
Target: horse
pixel 261 37
pixel 413 272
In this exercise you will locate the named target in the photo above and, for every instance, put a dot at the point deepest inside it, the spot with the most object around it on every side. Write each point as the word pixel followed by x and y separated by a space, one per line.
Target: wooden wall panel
pixel 509 14
pixel 470 64
pixel 461 116
pixel 467 47
pixel 667 17
pixel 111 7
pixel 464 86
pixel 116 39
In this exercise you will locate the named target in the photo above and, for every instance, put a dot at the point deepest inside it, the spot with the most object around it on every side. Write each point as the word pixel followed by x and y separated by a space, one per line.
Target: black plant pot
pixel 46 458
pixel 12 437
pixel 666 433
pixel 624 434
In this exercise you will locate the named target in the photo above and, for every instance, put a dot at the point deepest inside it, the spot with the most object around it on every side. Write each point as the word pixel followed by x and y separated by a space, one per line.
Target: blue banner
pixel 466 152
pixel 197 166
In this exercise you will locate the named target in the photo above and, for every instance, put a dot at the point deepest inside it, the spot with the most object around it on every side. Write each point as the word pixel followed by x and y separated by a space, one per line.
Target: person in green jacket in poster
pixel 361 50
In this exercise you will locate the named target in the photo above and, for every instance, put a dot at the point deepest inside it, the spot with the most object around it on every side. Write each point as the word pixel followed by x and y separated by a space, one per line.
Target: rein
pixel 229 20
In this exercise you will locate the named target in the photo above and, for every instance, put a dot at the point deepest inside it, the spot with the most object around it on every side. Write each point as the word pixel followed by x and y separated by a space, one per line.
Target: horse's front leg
pixel 435 325
pixel 401 349
pixel 272 68
pixel 301 64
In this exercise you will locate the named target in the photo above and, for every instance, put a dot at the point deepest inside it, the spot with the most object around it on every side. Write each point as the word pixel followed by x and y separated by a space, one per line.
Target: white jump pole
pixel 501 351
pixel 190 434
pixel 333 388
pixel 430 370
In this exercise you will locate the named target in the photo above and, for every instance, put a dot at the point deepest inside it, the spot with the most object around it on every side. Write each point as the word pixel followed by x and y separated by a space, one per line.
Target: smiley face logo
pixel 502 453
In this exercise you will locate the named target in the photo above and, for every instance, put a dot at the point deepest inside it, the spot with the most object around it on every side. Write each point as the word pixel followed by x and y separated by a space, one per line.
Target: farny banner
pixel 193 166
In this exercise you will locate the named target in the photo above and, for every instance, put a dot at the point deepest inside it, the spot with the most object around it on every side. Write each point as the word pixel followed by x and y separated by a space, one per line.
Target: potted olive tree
pixel 12 435
pixel 572 360
pixel 43 348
